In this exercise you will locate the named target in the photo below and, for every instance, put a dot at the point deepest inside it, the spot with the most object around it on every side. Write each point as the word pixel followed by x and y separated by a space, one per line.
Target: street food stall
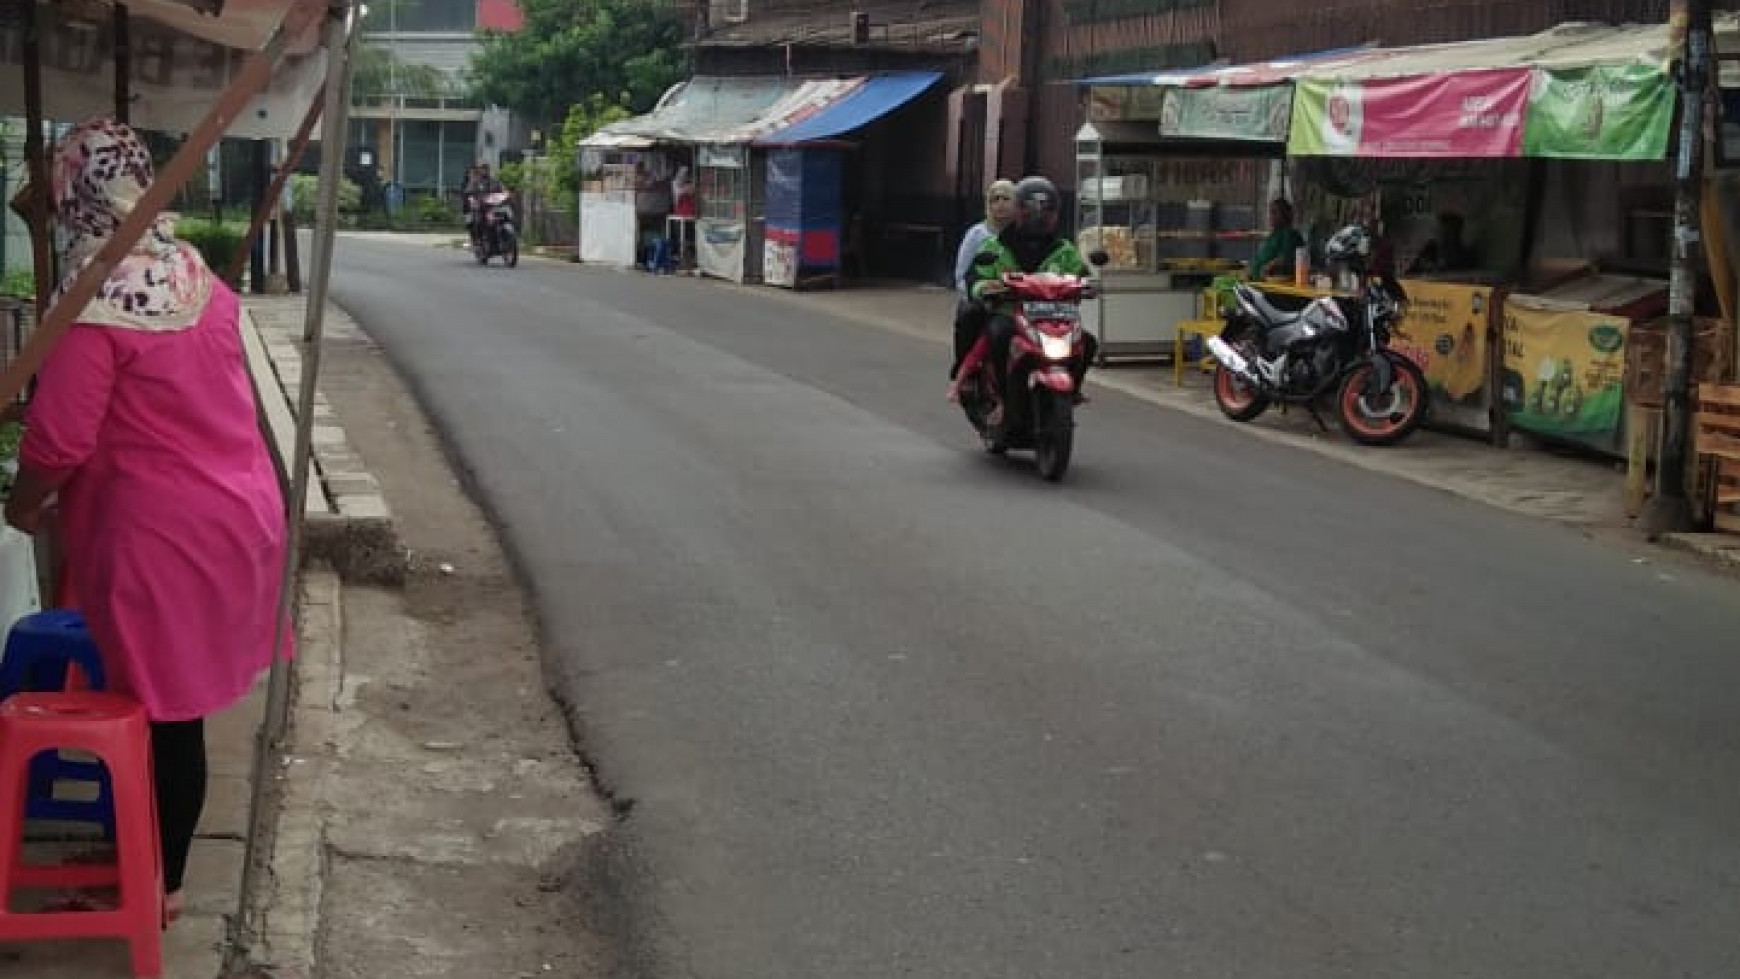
pixel 1464 131
pixel 625 195
pixel 1168 225
pixel 1174 174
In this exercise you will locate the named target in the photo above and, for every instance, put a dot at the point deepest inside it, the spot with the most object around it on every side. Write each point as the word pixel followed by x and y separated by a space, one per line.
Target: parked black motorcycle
pixel 1336 346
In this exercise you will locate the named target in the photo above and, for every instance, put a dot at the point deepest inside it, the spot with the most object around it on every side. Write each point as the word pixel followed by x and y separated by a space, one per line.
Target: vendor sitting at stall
pixel 1446 252
pixel 1275 255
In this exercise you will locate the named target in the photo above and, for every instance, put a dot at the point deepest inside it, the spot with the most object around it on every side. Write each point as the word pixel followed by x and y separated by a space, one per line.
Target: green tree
pixel 378 72
pixel 628 51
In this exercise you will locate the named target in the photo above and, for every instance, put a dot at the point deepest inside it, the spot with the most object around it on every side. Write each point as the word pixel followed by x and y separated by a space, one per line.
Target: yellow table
pixel 1287 288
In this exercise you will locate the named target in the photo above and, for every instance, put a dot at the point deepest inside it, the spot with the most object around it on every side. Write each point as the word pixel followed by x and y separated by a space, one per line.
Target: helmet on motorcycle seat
pixel 1351 244
pixel 1036 207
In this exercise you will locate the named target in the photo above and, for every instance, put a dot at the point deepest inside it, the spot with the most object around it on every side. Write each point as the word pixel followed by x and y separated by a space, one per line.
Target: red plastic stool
pixel 114 729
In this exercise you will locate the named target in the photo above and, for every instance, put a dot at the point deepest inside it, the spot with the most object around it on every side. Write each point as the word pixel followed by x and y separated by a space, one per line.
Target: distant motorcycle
pixel 1338 346
pixel 495 233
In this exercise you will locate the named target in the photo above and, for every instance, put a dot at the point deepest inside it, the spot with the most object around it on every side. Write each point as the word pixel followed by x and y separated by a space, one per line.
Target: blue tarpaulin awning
pixel 875 98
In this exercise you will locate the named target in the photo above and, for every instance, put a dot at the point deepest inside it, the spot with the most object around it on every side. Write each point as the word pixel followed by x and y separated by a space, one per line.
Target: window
pixel 458 151
pixel 720 193
pixel 429 16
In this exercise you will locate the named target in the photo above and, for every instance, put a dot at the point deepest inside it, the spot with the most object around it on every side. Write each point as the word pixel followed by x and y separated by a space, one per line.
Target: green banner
pixel 1257 113
pixel 1617 112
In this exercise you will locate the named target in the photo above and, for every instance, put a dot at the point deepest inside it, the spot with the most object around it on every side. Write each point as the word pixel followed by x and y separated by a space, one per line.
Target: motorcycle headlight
pixel 1055 348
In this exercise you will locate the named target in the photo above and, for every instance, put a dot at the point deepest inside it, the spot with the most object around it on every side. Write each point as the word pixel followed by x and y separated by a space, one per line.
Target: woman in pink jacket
pixel 143 435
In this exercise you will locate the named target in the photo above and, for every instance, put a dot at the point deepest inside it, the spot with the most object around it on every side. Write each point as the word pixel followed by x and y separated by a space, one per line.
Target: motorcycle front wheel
pixel 510 250
pixel 481 251
pixel 1386 418
pixel 1237 399
pixel 1055 435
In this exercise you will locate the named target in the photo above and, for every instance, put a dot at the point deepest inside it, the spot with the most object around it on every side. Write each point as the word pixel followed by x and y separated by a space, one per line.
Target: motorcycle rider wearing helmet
pixel 478 183
pixel 1030 244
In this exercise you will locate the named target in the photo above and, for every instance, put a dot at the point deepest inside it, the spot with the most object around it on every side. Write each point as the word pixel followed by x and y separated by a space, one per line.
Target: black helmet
pixel 1036 207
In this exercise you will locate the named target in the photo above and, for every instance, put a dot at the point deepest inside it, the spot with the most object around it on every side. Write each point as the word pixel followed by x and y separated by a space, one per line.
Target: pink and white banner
pixel 1461 115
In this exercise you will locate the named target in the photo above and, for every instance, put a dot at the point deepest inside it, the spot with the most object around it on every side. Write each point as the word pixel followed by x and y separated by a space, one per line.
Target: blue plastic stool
pixel 664 258
pixel 39 650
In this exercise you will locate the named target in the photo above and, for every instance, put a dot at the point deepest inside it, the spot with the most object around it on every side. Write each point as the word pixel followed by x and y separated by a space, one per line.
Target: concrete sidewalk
pixel 1528 479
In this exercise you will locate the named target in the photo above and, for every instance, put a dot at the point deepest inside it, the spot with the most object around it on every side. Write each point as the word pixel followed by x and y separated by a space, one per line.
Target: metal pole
pixel 1670 510
pixel 339 42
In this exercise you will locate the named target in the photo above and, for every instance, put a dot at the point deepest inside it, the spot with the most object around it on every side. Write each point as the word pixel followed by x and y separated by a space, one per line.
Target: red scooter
pixel 1034 407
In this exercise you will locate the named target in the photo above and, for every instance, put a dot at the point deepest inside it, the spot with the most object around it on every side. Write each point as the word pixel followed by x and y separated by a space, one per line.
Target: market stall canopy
pixel 868 100
pixel 699 106
pixel 1238 103
pixel 727 110
pixel 181 60
pixel 1275 71
pixel 1577 91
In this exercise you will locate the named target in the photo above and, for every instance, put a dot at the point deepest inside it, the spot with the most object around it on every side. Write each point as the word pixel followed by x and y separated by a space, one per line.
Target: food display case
pixel 1169 221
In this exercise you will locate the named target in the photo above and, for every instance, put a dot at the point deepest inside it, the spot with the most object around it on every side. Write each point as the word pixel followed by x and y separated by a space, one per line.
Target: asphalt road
pixel 1214 707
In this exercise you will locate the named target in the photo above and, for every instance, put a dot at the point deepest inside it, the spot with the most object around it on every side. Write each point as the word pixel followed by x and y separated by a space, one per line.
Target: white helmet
pixel 1350 244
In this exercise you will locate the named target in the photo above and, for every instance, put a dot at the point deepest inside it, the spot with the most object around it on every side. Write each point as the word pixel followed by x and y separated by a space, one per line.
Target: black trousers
pixel 179 770
pixel 969 322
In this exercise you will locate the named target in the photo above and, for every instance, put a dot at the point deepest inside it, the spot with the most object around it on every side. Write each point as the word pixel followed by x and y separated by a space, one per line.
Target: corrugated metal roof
pixel 1564 47
pixel 726 110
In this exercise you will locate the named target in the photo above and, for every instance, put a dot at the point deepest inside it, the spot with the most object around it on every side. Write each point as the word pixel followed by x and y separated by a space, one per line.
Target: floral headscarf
pixel 100 173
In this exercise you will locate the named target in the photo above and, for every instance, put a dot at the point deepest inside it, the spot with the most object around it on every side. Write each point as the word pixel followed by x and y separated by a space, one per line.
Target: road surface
pixel 879 705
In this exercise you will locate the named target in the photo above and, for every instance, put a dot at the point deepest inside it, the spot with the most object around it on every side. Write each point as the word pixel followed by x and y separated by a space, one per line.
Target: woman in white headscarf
pixel 969 318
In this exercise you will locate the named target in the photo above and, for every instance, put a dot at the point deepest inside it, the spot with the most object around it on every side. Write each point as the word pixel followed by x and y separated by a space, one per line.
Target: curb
pixel 347 522
pixel 1719 549
pixel 290 907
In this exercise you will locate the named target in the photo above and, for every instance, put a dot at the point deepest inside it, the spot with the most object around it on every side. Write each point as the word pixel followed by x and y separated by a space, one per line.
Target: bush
pixel 219 243
pixel 435 211
pixel 305 193
pixel 18 284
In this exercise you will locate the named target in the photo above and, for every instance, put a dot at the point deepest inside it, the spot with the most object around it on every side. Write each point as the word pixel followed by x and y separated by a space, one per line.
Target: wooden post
pixel 1670 510
pixel 274 193
pixel 259 179
pixel 123 64
pixel 36 197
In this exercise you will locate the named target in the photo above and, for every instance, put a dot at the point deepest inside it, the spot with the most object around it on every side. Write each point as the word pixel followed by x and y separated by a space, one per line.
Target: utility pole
pixel 1670 510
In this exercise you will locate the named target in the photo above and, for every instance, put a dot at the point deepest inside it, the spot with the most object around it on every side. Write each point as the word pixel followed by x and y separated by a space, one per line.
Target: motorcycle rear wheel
pixel 1236 399
pixel 977 407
